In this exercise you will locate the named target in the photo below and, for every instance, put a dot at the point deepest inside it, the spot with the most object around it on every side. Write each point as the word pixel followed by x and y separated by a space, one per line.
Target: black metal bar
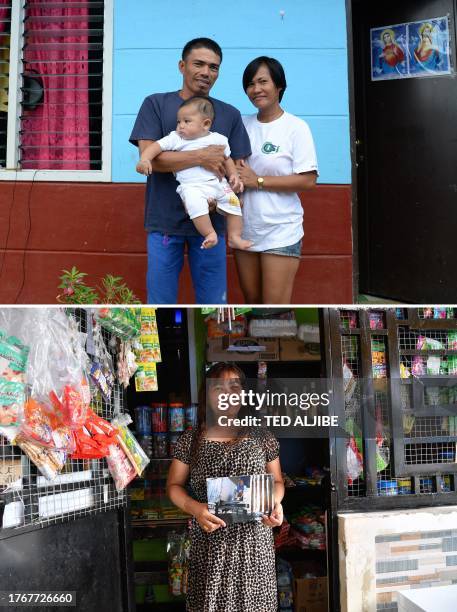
pixel 395 407
pixel 331 515
pixel 368 406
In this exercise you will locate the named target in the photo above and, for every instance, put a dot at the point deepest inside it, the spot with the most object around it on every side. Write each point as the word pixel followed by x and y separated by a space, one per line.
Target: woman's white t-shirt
pixel 282 147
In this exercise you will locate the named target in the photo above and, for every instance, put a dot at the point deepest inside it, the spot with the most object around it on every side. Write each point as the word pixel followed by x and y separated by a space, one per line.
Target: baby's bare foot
pixel 236 242
pixel 210 241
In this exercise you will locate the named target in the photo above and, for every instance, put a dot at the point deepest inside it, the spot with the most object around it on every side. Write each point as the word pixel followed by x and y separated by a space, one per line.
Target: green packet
pixel 13 354
pixel 12 399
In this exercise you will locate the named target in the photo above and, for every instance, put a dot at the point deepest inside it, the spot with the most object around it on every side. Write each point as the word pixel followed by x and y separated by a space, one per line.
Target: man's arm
pixel 211 158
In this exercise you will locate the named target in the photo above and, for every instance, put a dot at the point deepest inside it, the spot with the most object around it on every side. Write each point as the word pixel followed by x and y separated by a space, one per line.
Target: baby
pixel 196 184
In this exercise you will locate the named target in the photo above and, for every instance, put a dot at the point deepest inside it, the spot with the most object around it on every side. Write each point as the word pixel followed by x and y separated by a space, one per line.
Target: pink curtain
pixel 4 13
pixel 55 135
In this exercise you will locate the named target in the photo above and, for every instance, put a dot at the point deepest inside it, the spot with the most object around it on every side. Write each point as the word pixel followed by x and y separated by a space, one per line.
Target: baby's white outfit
pixel 197 184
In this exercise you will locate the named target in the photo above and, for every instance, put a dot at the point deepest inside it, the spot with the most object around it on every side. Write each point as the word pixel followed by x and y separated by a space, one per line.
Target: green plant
pixel 76 291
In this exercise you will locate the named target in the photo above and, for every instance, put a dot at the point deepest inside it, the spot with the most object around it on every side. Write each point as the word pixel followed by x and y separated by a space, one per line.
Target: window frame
pixel 12 172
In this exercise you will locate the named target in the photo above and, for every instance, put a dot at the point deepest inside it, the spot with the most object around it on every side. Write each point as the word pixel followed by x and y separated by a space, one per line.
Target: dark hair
pixel 274 68
pixel 201 43
pixel 215 371
pixel 203 105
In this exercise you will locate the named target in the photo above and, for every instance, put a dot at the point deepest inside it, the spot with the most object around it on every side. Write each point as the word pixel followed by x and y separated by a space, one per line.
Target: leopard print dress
pixel 233 568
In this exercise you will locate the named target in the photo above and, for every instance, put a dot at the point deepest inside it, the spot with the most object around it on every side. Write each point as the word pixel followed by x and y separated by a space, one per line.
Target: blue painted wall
pixel 309 40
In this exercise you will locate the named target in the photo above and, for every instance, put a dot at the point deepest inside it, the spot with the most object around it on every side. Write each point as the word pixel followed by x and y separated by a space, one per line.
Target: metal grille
pixel 62 85
pixel 436 312
pixel 5 29
pixel 83 487
pixel 351 358
pixel 349 319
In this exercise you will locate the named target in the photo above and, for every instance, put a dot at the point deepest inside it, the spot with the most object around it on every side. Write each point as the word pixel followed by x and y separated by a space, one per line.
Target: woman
pixel 231 568
pixel 283 163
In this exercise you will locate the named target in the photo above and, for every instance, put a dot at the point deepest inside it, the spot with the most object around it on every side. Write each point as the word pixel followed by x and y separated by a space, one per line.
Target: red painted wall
pixel 46 227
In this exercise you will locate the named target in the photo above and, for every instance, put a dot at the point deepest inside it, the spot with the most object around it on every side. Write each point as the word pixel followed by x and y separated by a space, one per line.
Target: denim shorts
pixel 293 250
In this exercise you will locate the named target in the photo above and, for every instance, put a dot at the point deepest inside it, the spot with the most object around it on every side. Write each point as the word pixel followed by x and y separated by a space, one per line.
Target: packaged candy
pixel 429 344
pixel 122 322
pixel 439 312
pixel 452 365
pixel 452 340
pixel 49 461
pixel 43 426
pixel 13 361
pixel 418 366
pixel 120 466
pixel 92 441
pixel 56 367
pixel 126 364
pixel 433 365
pixel 129 443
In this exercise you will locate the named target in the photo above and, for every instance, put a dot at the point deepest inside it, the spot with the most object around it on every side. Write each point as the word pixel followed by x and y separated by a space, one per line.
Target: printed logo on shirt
pixel 269 147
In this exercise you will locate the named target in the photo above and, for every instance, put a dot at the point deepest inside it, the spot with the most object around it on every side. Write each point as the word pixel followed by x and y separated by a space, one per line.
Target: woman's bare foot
pixel 210 241
pixel 236 242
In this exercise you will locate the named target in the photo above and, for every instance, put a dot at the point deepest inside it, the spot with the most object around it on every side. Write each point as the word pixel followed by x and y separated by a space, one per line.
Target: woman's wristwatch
pixel 260 182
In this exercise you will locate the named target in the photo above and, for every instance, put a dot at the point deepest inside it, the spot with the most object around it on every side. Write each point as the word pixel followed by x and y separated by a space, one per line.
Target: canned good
pixel 172 440
pixel 190 416
pixel 143 420
pixel 176 417
pixel 159 418
pixel 146 444
pixel 160 445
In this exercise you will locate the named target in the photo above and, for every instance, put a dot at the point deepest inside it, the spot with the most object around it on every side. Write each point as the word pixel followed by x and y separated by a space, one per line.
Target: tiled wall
pixel 413 560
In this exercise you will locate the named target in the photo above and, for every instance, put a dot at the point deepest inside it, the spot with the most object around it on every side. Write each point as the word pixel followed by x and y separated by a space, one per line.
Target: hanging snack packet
pixel 92 441
pixel 146 377
pixel 122 322
pixel 452 365
pixel 418 366
pixel 120 467
pixel 452 340
pixel 433 365
pixel 13 360
pixel 56 369
pixel 50 462
pixel 130 444
pixel 42 425
pixel 429 344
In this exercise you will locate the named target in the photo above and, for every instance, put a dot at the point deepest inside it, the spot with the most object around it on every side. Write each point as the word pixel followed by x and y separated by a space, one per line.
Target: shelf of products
pixel 399 372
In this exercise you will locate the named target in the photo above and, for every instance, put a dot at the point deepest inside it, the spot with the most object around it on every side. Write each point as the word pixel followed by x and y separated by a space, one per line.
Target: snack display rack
pixel 84 487
pixel 395 385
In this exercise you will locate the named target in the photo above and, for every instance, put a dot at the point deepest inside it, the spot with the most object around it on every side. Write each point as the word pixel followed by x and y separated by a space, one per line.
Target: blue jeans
pixel 208 268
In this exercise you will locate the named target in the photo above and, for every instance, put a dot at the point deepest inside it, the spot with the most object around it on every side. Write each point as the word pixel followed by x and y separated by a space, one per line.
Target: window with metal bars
pixel 56 53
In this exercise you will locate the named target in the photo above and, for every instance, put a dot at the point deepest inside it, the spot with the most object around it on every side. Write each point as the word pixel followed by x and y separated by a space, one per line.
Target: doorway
pixel 405 149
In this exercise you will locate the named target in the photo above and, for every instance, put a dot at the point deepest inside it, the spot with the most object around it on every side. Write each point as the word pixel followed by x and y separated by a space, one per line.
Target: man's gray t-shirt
pixel 164 211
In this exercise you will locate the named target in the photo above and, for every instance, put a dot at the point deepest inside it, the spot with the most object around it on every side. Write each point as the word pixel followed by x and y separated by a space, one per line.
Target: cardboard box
pixel 218 349
pixel 294 349
pixel 310 595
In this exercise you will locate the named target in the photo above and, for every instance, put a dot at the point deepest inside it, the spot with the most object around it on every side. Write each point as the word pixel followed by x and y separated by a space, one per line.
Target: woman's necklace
pixel 278 114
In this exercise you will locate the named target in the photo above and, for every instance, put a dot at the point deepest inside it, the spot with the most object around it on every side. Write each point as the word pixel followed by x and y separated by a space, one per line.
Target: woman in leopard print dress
pixel 231 568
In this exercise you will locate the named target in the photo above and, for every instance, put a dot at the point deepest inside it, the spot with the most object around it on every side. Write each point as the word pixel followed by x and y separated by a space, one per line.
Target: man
pixel 166 221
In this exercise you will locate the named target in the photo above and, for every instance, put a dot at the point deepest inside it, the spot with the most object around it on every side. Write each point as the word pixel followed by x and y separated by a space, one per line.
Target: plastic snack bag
pixel 50 462
pixel 130 444
pixel 43 427
pixel 120 467
pixel 93 440
pixel 56 370
pixel 13 362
